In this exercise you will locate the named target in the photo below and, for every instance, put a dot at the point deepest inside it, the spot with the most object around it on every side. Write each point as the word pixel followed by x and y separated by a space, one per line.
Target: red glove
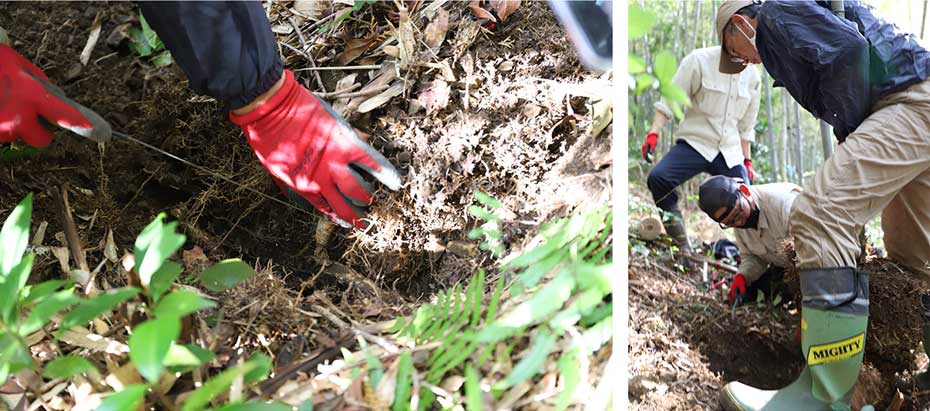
pixel 27 95
pixel 738 285
pixel 649 146
pixel 752 175
pixel 313 154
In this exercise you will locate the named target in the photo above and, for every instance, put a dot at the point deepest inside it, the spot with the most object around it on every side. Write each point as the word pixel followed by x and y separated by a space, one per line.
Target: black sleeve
pixel 226 49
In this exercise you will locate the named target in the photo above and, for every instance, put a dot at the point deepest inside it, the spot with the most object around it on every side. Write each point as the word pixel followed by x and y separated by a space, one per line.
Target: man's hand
pixel 28 99
pixel 752 175
pixel 313 154
pixel 649 146
pixel 737 287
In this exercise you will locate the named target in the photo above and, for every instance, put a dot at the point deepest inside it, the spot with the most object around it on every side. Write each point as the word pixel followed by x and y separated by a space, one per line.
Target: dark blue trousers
pixel 680 164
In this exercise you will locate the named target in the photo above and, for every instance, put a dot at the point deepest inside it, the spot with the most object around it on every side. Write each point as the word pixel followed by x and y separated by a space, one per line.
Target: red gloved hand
pixel 27 96
pixel 649 146
pixel 752 175
pixel 313 154
pixel 737 286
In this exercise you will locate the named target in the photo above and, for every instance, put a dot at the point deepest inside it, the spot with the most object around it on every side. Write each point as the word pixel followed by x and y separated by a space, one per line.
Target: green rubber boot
pixel 834 318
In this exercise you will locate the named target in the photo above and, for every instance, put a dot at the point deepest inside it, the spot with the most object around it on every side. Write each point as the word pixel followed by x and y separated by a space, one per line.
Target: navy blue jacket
pixel 837 68
pixel 226 49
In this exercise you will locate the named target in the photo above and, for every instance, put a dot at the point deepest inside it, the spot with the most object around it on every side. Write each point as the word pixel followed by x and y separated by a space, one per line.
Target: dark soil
pixel 686 341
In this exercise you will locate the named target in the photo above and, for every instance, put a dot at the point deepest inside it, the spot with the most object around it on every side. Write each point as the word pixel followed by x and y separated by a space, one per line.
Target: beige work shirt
pixel 723 107
pixel 761 246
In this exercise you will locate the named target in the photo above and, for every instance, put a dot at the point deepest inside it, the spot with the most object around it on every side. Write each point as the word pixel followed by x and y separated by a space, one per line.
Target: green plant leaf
pixel 12 286
pixel 665 66
pixel 475 233
pixel 215 386
pixel 531 363
pixel 307 405
pixel 180 303
pixel 673 93
pixel 360 4
pixel 163 278
pixel 544 302
pixel 13 152
pixel 404 382
pixel 481 213
pixel 127 399
pixel 91 308
pixel 44 311
pixel 474 400
pixel 149 345
pixel 34 293
pixel 636 64
pixel 569 366
pixel 14 236
pixel 584 303
pixel 597 335
pixel 13 356
pixel 640 22
pixel 255 406
pixel 159 244
pixel 487 200
pixel 398 325
pixel 644 81
pixel 151 38
pixel 67 366
pixel 372 363
pixel 226 274
pixel 182 358
pixel 162 59
pixel 138 44
pixel 261 370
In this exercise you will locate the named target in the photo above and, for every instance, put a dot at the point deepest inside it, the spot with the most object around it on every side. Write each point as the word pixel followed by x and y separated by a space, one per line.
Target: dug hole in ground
pixel 687 341
pixel 509 112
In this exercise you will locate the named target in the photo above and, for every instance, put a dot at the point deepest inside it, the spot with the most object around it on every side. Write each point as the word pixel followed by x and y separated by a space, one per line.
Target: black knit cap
pixel 717 192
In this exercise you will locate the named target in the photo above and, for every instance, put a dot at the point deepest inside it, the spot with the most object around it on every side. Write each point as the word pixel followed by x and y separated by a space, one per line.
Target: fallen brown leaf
pixel 434 96
pixel 479 12
pixel 504 8
pixel 355 48
pixel 379 100
pixel 435 31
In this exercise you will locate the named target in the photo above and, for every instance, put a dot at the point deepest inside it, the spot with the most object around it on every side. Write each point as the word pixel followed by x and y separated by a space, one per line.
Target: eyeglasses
pixel 734 215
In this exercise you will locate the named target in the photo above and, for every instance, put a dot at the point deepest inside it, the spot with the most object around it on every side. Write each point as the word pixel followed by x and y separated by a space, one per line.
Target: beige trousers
pixel 884 166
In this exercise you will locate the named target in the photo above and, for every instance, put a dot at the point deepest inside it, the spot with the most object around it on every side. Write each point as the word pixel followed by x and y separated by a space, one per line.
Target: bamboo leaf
pixel 570 368
pixel 149 345
pixel 14 236
pixel 67 366
pixel 89 309
pixel 181 303
pixel 127 399
pixel 473 395
pixel 531 363
pixel 46 309
pixel 226 274
pixel 404 382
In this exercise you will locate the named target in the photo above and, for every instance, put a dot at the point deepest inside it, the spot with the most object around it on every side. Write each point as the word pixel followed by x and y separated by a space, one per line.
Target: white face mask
pixel 752 40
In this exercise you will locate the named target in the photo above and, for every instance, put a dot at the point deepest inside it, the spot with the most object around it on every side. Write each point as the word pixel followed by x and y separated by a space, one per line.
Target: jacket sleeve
pixel 747 123
pixel 226 49
pixel 837 53
pixel 752 267
pixel 688 77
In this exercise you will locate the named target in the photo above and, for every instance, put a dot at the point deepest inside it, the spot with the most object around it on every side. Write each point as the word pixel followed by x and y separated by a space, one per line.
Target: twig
pixel 74 240
pixel 338 93
pixel 716 264
pixel 897 401
pixel 162 399
pixel 326 68
pixel 355 94
pixel 381 342
pixel 303 45
pixel 271 385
